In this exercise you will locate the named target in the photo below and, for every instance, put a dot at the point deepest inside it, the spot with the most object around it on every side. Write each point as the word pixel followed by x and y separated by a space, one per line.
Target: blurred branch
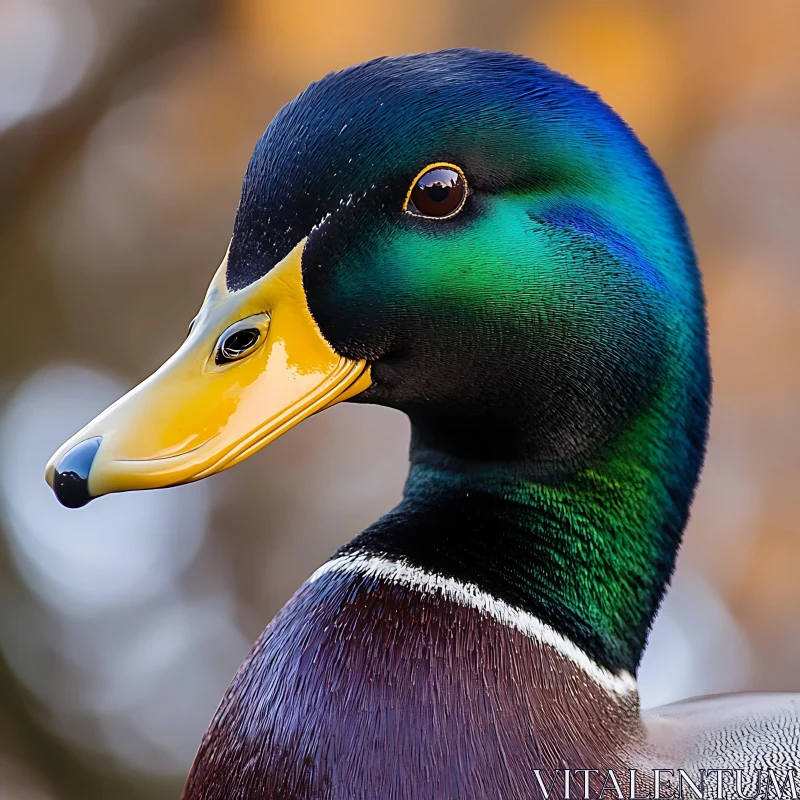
pixel 37 149
pixel 70 775
pixel 30 154
pixel 50 139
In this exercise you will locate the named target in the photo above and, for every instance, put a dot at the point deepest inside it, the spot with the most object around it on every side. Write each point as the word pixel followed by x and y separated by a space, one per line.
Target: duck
pixel 482 243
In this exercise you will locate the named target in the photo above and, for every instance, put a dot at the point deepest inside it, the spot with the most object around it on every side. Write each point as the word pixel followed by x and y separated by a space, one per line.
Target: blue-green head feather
pixel 548 341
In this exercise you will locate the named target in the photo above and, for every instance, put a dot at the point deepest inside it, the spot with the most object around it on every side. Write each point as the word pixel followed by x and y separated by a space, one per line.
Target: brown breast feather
pixel 361 688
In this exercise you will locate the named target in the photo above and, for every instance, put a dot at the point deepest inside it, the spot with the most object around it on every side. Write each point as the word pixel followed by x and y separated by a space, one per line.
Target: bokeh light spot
pixel 119 549
pixel 46 47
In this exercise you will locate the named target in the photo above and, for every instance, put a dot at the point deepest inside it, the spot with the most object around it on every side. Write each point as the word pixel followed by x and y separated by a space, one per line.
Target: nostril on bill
pixel 71 479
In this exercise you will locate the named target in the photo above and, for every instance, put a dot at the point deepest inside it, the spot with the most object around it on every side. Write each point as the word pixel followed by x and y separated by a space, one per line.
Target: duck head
pixel 466 236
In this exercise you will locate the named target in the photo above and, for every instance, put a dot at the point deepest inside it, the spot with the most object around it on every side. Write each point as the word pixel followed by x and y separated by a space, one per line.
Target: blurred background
pixel 125 129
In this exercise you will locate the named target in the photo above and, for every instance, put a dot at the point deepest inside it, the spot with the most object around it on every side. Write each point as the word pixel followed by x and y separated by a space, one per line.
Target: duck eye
pixel 440 191
pixel 237 344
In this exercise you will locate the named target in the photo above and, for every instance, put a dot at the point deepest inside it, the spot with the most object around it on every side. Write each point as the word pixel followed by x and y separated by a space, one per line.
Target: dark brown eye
pixel 439 192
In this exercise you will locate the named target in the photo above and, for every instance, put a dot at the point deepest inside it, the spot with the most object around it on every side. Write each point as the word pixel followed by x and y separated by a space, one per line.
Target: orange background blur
pixel 125 129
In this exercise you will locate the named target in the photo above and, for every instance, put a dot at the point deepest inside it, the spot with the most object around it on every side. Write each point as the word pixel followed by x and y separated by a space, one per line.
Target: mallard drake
pixel 480 242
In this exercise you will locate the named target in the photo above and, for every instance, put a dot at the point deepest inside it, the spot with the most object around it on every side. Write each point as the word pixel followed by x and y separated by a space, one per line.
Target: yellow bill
pixel 254 365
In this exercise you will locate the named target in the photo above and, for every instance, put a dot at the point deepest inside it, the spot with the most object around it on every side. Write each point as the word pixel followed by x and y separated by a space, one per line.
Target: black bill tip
pixel 71 479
